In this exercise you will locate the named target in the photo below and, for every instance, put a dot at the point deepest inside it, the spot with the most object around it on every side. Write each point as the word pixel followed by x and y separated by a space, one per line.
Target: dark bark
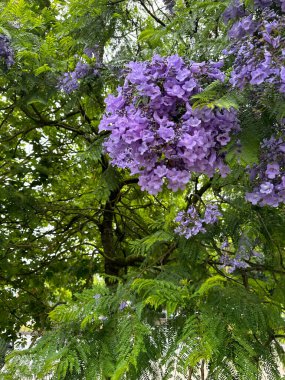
pixel 107 235
pixel 114 259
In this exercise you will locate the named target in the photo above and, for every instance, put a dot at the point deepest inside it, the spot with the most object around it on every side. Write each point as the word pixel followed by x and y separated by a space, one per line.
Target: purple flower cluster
pixel 240 260
pixel 233 263
pixel 191 222
pixel 258 44
pixel 155 131
pixel 6 51
pixel 268 176
pixel 269 3
pixel 94 52
pixel 237 8
pixel 70 81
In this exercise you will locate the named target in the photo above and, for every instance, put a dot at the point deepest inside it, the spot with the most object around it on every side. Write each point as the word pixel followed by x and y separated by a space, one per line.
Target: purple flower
pixel 212 214
pixel 253 198
pixel 266 188
pixel 235 10
pixel 248 24
pixel 81 70
pixel 183 75
pixel 225 244
pixel 241 28
pixel 177 179
pixel 123 305
pixel 262 3
pixel 175 62
pixel 149 90
pixel 68 83
pixel 179 217
pixel 190 86
pixel 258 76
pixel 270 200
pixel 216 74
pixel 272 170
pixel 160 171
pixel 94 52
pixel 173 89
pixel 165 133
pixel 96 73
pixel 282 74
pixel 223 139
pixel 136 75
pixel 151 183
pixel 268 174
pixel 194 122
pixel 90 52
pixel 114 103
pixel 237 264
pixel 275 42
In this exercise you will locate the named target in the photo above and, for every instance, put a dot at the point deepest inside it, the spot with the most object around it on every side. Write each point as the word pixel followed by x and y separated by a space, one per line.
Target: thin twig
pixel 151 14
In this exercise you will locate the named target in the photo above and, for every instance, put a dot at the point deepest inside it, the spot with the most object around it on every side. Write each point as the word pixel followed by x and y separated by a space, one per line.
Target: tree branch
pixel 151 14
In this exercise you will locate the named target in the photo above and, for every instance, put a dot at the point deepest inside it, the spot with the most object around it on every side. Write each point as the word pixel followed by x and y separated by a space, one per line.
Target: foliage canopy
pixel 92 265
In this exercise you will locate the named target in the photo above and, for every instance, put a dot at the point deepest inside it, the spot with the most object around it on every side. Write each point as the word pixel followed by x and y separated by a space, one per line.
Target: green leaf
pixel 42 69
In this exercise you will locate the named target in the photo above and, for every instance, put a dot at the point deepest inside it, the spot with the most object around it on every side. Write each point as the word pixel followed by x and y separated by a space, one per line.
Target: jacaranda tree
pixel 142 189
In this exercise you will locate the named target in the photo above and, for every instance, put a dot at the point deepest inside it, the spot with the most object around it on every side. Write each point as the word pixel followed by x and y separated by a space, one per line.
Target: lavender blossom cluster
pixel 191 222
pixel 237 8
pixel 240 260
pixel 269 3
pixel 155 131
pixel 258 44
pixel 6 51
pixel 70 81
pixel 268 176
pixel 233 263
